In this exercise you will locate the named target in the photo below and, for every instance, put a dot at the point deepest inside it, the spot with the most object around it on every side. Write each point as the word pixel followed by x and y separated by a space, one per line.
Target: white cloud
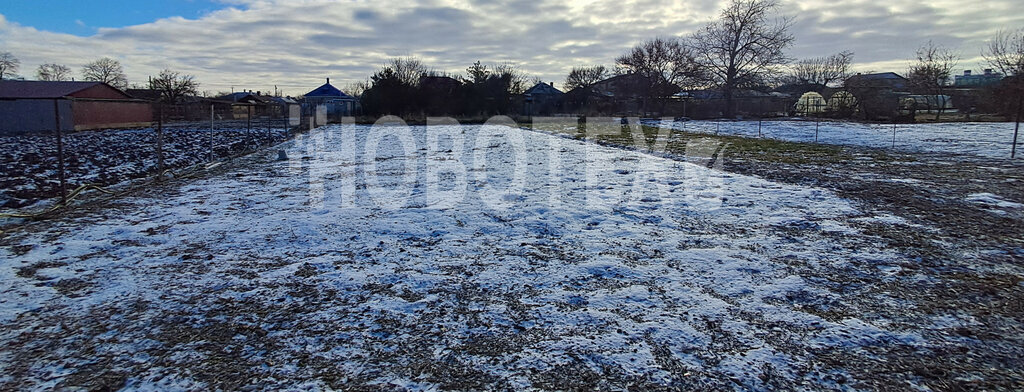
pixel 295 44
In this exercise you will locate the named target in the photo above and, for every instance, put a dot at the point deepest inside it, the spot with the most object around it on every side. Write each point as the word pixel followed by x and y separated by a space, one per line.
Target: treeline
pixel 172 85
pixel 744 50
pixel 405 86
pixel 744 47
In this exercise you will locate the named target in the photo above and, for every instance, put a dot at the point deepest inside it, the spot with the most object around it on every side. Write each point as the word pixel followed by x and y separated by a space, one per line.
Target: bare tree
pixel 1005 52
pixel 106 70
pixel 8 65
pixel 174 86
pixel 356 89
pixel 668 62
pixel 666 65
pixel 744 47
pixel 930 73
pixel 515 79
pixel 408 70
pixel 822 70
pixel 53 72
pixel 583 77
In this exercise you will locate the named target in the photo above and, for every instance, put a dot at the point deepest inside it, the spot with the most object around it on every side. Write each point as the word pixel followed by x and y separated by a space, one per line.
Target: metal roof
pixel 883 75
pixel 327 90
pixel 13 89
pixel 544 89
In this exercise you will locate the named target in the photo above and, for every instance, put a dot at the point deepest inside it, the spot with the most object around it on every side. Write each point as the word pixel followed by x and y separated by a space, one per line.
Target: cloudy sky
pixel 295 44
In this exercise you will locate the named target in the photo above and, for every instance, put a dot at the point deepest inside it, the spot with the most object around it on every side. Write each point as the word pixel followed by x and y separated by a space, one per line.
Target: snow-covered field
pixel 985 139
pixel 462 258
pixel 110 157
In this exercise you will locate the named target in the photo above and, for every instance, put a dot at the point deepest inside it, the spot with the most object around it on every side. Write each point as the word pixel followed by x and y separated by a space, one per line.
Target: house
pixel 335 102
pixel 621 94
pixel 878 95
pixel 284 107
pixel 147 94
pixel 542 99
pixel 247 104
pixel 970 80
pixel 886 80
pixel 746 102
pixel 29 107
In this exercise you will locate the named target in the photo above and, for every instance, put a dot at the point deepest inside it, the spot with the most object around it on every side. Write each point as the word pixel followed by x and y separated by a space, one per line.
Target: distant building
pixel 878 95
pixel 247 103
pixel 28 107
pixel 620 94
pixel 885 81
pixel 147 94
pixel 972 80
pixel 543 99
pixel 336 102
pixel 746 102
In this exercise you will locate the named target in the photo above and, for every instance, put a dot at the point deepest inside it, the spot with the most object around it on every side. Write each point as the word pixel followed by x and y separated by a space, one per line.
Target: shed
pixel 28 107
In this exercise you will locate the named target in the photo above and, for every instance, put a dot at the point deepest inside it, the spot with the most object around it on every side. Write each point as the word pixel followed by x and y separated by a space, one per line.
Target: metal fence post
pixel 1016 128
pixel 60 154
pixel 894 135
pixel 160 142
pixel 211 132
pixel 817 124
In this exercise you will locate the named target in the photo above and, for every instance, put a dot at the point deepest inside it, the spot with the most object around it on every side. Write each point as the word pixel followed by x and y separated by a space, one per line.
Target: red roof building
pixel 29 107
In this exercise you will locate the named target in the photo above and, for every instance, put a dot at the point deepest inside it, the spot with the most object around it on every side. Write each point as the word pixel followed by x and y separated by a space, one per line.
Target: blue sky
pixel 83 17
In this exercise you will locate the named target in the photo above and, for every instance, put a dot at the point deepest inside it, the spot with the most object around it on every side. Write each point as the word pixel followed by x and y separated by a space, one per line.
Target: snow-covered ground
pixel 464 257
pixel 987 139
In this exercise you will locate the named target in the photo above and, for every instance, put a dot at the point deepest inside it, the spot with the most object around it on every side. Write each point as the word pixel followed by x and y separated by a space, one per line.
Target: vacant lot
pixel 499 258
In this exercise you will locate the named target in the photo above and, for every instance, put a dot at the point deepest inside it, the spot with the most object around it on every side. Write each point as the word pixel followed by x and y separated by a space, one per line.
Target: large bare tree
pixel 174 86
pixel 53 72
pixel 930 72
pixel 8 65
pixel 583 77
pixel 825 71
pixel 106 70
pixel 515 79
pixel 356 89
pixel 666 65
pixel 1005 52
pixel 408 70
pixel 744 47
pixel 669 63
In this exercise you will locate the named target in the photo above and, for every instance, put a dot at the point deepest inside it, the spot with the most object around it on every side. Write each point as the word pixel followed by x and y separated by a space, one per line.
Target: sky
pixel 295 44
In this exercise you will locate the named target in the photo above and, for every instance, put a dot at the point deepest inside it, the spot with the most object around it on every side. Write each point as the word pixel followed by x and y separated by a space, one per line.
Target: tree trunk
pixel 728 92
